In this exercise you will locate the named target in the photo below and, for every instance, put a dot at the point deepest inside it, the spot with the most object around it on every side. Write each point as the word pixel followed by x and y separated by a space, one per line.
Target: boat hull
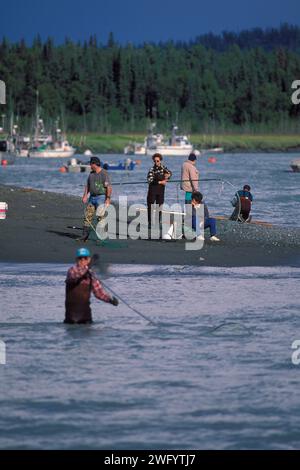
pixel 171 151
pixel 52 154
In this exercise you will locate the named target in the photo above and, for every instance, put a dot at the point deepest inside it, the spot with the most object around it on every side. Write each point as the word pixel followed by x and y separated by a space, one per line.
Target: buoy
pixel 212 160
pixel 3 210
pixel 63 169
pixel 4 162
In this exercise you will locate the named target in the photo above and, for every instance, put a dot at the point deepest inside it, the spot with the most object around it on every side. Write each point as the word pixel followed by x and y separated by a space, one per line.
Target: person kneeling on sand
pixel 242 202
pixel 209 222
pixel 80 283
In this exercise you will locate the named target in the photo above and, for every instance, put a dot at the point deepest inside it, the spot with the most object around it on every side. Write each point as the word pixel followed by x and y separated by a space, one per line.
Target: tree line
pixel 214 82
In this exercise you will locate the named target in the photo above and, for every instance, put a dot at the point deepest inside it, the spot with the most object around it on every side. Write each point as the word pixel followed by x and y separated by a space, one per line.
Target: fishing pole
pixel 127 304
pixel 170 181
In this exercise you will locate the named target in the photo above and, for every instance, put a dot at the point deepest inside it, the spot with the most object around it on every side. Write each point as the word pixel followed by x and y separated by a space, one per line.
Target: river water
pixel 214 371
pixel 275 187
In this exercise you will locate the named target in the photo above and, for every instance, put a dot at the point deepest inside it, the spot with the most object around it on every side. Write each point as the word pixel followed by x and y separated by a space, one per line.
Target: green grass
pixel 115 143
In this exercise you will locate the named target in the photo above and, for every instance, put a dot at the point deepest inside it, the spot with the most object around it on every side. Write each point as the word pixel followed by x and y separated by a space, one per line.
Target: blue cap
pixel 83 253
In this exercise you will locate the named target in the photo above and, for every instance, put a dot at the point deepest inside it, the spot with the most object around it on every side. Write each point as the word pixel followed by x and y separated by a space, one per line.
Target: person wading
pixel 81 282
pixel 158 177
pixel 97 191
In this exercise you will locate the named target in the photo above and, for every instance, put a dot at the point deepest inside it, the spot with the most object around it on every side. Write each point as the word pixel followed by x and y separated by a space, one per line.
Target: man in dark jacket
pixel 81 282
pixel 158 177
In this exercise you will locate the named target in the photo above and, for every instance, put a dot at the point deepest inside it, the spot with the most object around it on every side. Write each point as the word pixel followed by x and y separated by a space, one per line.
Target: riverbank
pixel 37 231
pixel 115 143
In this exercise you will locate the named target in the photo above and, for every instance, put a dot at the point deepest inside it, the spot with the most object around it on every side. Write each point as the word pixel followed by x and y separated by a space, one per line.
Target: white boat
pixel 295 165
pixel 177 145
pixel 45 146
pixel 56 150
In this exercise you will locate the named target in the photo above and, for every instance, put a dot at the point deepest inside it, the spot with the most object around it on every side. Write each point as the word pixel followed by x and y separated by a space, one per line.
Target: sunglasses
pixel 83 257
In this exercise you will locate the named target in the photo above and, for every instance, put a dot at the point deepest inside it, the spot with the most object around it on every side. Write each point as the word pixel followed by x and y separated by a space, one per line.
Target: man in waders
pixel 97 191
pixel 81 282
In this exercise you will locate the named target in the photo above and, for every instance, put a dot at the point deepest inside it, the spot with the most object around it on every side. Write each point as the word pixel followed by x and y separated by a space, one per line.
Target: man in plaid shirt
pixel 80 283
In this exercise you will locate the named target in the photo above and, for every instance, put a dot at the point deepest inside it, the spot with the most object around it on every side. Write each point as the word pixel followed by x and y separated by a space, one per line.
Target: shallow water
pixel 275 187
pixel 214 371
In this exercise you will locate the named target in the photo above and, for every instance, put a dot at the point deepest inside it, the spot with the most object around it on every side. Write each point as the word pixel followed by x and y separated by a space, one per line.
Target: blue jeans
pixel 211 224
pixel 96 201
pixel 188 200
pixel 208 223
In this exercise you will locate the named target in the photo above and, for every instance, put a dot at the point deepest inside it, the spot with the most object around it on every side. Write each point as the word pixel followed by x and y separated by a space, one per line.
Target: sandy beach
pixel 37 231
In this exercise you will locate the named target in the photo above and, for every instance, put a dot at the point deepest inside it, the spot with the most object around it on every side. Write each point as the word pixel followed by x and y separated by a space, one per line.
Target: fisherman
pixel 189 178
pixel 97 191
pixel 80 283
pixel 190 181
pixel 158 177
pixel 209 222
pixel 242 202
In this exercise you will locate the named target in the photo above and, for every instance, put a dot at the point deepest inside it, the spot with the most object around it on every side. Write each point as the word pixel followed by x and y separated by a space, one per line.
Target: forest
pixel 215 82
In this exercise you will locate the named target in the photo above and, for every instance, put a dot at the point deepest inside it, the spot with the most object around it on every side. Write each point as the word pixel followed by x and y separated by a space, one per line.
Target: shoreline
pixel 231 143
pixel 37 230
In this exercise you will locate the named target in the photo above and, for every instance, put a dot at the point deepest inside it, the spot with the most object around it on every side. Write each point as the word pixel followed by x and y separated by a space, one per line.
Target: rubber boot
pixel 85 235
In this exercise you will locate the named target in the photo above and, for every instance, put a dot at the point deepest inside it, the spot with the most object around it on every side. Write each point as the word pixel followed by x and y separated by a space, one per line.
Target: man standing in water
pixel 97 191
pixel 80 283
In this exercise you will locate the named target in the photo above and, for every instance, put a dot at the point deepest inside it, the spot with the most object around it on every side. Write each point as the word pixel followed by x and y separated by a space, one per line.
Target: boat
pixel 47 146
pixel 127 165
pixel 76 166
pixel 7 153
pixel 52 150
pixel 295 165
pixel 176 145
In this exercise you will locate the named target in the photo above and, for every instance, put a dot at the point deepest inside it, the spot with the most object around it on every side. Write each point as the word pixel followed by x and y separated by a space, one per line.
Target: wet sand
pixel 36 231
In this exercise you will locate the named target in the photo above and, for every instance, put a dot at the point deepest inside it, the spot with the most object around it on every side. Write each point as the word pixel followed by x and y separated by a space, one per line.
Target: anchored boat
pixel 295 165
pixel 76 166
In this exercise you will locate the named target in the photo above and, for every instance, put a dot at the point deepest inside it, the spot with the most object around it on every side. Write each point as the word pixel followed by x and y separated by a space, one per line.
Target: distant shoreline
pixel 231 143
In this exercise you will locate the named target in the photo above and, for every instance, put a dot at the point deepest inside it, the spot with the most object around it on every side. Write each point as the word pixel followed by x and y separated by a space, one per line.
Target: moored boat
pixel 295 165
pixel 76 166
pixel 52 150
